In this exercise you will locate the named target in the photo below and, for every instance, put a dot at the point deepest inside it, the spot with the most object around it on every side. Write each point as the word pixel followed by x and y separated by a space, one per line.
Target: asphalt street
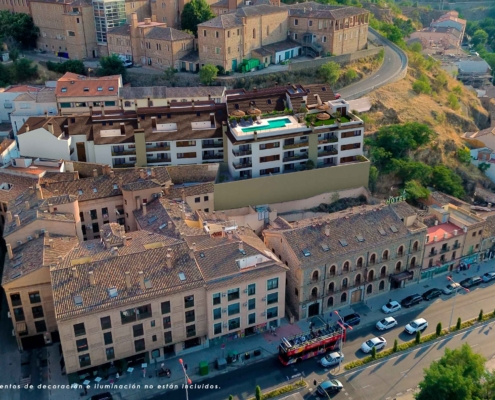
pixel 382 381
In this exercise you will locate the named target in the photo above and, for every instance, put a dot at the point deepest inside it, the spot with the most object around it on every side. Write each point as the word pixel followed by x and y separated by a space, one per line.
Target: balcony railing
pixel 329 140
pixel 213 157
pixel 242 153
pixel 212 145
pixel 327 153
pixel 241 166
pixel 456 246
pixel 296 158
pixel 296 145
pixel 125 165
pixel 158 160
pixel 432 253
pixel 157 148
pixel 124 153
pixel 445 249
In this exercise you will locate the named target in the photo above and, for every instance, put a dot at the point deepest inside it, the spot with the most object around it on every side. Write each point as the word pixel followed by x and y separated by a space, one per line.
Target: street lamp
pixel 453 304
pixel 186 377
pixel 343 327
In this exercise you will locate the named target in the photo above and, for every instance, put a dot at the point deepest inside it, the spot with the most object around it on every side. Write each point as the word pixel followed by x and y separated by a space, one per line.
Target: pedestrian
pixel 185 366
pixel 479 266
pixel 390 300
pixel 117 376
pixel 85 390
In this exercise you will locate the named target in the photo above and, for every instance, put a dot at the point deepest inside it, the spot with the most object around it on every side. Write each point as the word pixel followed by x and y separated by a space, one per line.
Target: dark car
pixel 411 300
pixel 352 319
pixel 470 282
pixel 431 294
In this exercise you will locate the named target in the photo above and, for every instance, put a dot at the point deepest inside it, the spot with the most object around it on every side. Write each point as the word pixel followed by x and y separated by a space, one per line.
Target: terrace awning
pixel 402 276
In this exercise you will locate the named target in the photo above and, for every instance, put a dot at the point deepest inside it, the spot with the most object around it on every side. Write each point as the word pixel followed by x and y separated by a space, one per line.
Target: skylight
pixel 17 264
pixel 343 242
pixel 182 277
pixel 80 191
pixel 152 219
pixel 325 247
pixel 393 229
pixel 163 226
pixel 64 89
pixel 100 88
pixel 16 275
pixel 306 252
pixel 112 292
pixel 18 256
pixel 202 255
pixel 78 300
pixel 95 190
pixel 147 284
pixel 359 238
pixel 382 232
pixel 110 88
pixel 90 246
pixel 115 186
pixel 86 89
pixel 243 252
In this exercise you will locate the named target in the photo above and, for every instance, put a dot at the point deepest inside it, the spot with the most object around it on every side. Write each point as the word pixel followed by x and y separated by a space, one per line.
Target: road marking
pixel 364 387
pixel 405 372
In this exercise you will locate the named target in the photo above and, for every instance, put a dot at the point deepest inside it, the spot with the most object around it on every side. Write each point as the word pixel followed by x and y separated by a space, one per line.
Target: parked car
pixel 451 288
pixel 377 342
pixel 127 64
pixel 391 306
pixel 470 282
pixel 352 319
pixel 338 95
pixel 418 325
pixel 489 276
pixel 334 358
pixel 411 300
pixel 386 323
pixel 431 294
pixel 329 387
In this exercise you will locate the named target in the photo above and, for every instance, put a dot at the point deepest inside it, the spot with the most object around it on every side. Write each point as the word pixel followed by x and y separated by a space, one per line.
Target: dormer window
pixel 100 88
pixel 64 89
pixel 110 88
pixel 86 89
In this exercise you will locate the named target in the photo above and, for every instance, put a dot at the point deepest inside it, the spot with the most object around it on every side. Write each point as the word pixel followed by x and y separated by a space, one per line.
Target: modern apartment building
pixel 67 28
pixel 344 258
pixel 108 14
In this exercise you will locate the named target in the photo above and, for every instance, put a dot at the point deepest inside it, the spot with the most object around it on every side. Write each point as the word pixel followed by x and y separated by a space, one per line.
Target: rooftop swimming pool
pixel 271 124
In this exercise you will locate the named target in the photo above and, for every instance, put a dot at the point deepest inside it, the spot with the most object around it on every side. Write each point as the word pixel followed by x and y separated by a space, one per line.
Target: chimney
pixel 136 106
pixel 75 274
pixel 107 244
pixel 241 246
pixel 9 216
pixel 435 238
pixel 209 97
pixel 128 279
pixel 17 220
pixel 150 103
pixel 36 235
pixel 66 131
pixel 126 241
pixel 255 89
pixel 143 174
pixel 102 110
pixel 153 122
pixel 121 182
pixel 51 209
pixel 91 278
pixel 90 111
pixel 47 234
pixel 122 128
pixel 153 18
pixel 76 175
pixel 445 235
pixel 141 280
pixel 26 127
pixel 192 103
pixel 112 174
pixel 51 244
pixel 193 247
pixel 9 251
pixel 49 126
pixel 121 101
pixel 169 258
pixel 229 235
pixel 144 209
pixel 455 232
pixel 147 21
pixel 114 251
pixel 327 230
pixel 46 114
pixel 167 189
pixel 95 173
pixel 255 136
pixel 134 20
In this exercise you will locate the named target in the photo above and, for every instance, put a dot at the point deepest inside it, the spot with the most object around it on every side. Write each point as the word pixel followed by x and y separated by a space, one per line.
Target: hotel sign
pixel 397 199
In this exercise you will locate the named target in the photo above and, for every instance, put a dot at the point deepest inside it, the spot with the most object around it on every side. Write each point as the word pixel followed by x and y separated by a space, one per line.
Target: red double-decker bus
pixel 310 344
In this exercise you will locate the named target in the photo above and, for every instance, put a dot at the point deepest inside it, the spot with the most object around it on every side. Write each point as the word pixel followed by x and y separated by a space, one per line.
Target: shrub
pixel 396 344
pixel 493 313
pixel 351 74
pixel 439 329
pixel 418 337
pixel 480 316
pixel 231 397
pixel 373 353
pixel 453 101
pixel 280 391
pixel 258 393
pixel 422 87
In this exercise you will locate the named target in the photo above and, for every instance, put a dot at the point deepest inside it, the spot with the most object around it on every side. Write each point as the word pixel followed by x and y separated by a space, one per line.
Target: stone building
pixel 19 6
pixel 346 257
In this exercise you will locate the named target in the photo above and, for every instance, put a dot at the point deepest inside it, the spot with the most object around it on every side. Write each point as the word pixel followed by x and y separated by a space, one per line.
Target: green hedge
pixel 282 390
pixel 412 343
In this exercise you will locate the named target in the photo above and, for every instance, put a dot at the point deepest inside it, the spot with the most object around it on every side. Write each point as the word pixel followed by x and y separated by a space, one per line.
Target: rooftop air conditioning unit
pixel 9 315
pixel 244 305
pixel 224 310
pixel 245 290
pixel 263 314
pixel 29 238
pixel 19 242
pixel 224 294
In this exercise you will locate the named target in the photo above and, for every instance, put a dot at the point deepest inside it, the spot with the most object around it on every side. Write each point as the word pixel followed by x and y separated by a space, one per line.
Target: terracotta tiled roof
pixel 224 21
pixel 73 85
pixel 122 30
pixel 317 10
pixel 12 188
pixel 52 177
pixel 191 190
pixel 4 145
pixel 58 200
pixel 168 34
pixel 21 89
pixel 109 273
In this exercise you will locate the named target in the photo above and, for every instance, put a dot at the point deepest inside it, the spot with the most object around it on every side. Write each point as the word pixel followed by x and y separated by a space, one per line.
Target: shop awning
pixel 402 276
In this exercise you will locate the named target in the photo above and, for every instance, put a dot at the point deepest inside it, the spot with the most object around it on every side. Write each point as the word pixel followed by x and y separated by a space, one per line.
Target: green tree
pixel 396 346
pixel 194 13
pixel 112 65
pixel 25 70
pixel 456 376
pixel 416 47
pixel 480 37
pixel 422 87
pixel 458 324
pixel 418 337
pixel 447 181
pixel 399 139
pixel 231 397
pixel 14 54
pixel 208 74
pixel 483 166
pixel 480 315
pixel 464 155
pixel 169 74
pixel 258 394
pixel 18 28
pixel 416 191
pixel 74 66
pixel 408 170
pixel 373 353
pixel 453 101
pixel 440 82
pixel 439 329
pixel 5 75
pixel 373 178
pixel 330 72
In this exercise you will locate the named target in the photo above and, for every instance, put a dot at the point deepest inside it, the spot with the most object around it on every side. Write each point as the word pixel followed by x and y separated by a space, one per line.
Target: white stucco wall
pixel 40 143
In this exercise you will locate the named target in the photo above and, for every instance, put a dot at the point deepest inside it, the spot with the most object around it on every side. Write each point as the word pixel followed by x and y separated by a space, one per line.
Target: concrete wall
pixel 290 187
pixel 41 143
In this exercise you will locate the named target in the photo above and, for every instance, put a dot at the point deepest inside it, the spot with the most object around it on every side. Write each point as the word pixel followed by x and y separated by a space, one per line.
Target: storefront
pixel 240 334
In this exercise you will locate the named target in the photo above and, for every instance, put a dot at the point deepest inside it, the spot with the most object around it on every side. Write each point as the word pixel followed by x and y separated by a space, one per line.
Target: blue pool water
pixel 276 123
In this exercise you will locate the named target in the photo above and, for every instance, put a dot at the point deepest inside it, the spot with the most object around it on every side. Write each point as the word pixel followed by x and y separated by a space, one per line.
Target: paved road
pixel 394 62
pixel 269 373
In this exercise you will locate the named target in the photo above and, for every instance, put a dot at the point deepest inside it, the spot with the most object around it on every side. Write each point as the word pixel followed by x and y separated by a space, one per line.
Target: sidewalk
pixel 266 344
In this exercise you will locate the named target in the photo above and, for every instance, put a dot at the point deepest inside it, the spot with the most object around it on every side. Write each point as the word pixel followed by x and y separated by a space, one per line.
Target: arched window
pixel 415 246
pixel 314 292
pixel 345 268
pixel 369 289
pixel 330 302
pixel 344 283
pixel 333 269
pixel 400 252
pixel 373 259
pixel 359 263
pixel 315 276
pixel 385 255
pixel 331 287
pixel 371 275
pixel 382 285
pixel 413 262
pixel 383 272
pixel 358 280
pixel 343 297
pixel 398 266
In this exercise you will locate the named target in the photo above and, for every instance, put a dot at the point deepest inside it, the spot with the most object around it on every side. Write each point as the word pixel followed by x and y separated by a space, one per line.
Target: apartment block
pixel 108 14
pixel 7 96
pixel 142 8
pixel 344 258
pixel 32 104
pixel 67 28
pixel 8 151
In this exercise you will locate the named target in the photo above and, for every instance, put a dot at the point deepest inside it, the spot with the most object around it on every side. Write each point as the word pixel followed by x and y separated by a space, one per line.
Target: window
pixel 71 33
pixel 167 323
pixel 272 298
pixel 15 298
pixel 272 284
pixel 94 214
pixel 251 318
pixel 168 337
pixel 217 298
pixel 139 345
pixel 233 294
pixel 188 301
pixel 82 345
pixel 96 228
pixel 254 33
pixel 40 326
pixel 79 329
pixel 84 360
pixel 191 331
pixel 234 324
pixel 37 312
pixel 197 199
pixel 152 323
pixel 34 298
pixel 144 312
pixel 251 290
pixel 138 330
pixel 217 313
pixel 106 323
pixel 217 328
pixel 190 316
pixel 128 316
pixel 110 353
pixel 204 32
pixel 251 304
pixel 324 39
pixel 107 338
pixel 154 339
pixel 165 307
pixel 272 312
pixel 205 48
pixel 216 34
pixel 310 23
pixel 296 22
pixel 234 309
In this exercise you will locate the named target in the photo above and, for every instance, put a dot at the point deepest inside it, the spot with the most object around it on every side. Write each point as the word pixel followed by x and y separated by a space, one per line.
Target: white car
pixel 391 306
pixel 489 276
pixel 386 323
pixel 377 342
pixel 451 288
pixel 331 359
pixel 418 325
